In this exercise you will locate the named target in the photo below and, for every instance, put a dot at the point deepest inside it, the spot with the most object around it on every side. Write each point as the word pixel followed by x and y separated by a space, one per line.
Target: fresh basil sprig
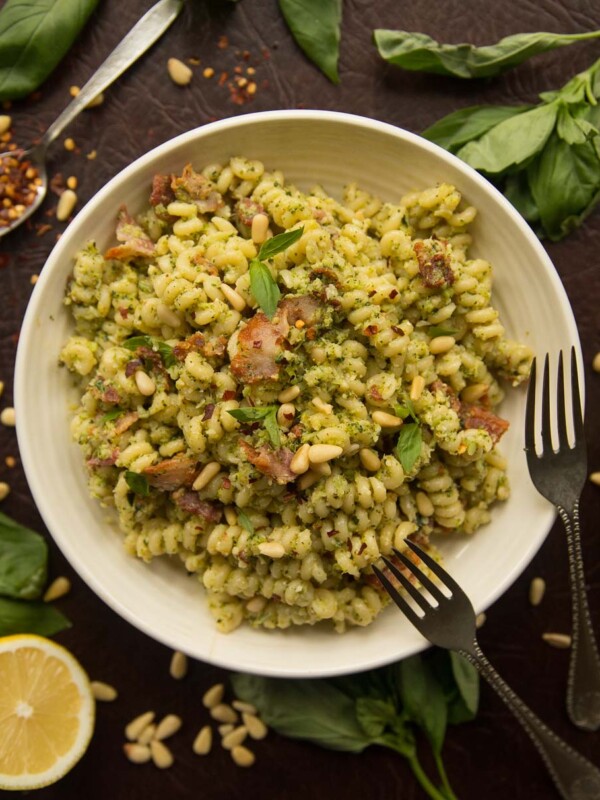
pixel 17 616
pixel 245 521
pixel 265 414
pixel 420 53
pixel 162 348
pixel 408 446
pixel 137 483
pixel 315 25
pixel 34 37
pixel 262 284
pixel 386 707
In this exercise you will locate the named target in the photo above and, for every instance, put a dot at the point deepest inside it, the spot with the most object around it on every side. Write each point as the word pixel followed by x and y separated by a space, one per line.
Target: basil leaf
pixel 251 414
pixel 277 244
pixel 511 142
pixel 423 699
pixel 374 715
pixel 244 521
pixel 565 184
pixel 439 330
pixel 460 687
pixel 456 129
pixel 408 447
pixel 315 25
pixel 407 410
pixel 20 616
pixel 23 560
pixel 419 52
pixel 34 37
pixel 571 128
pixel 113 414
pixel 137 483
pixel 272 428
pixel 263 287
pixel 305 709
pixel 165 350
pixel 517 191
pixel 467 681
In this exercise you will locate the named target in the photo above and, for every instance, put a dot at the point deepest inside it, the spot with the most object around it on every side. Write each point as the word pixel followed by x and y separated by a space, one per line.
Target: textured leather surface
pixel 490 759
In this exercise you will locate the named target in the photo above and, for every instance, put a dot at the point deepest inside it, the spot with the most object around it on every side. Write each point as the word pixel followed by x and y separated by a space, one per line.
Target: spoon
pixel 143 34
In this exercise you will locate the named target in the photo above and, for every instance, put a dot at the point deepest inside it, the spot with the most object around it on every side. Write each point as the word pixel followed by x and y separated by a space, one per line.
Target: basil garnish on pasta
pixel 162 348
pixel 265 414
pixel 262 284
pixel 408 446
pixel 245 521
pixel 137 483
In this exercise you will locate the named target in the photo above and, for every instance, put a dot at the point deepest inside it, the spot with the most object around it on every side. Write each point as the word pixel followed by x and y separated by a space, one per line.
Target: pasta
pixel 279 459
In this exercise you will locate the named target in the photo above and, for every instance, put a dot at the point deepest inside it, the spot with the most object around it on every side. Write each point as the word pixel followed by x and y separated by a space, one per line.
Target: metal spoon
pixel 143 34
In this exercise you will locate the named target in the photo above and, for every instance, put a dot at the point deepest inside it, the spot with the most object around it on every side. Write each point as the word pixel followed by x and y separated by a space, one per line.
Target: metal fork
pixel 450 623
pixel 559 474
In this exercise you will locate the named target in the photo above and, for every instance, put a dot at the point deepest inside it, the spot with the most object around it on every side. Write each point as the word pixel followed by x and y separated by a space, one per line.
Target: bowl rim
pixel 61 250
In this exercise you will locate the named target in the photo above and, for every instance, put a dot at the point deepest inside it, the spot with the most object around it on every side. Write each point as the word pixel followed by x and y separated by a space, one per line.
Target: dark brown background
pixel 489 759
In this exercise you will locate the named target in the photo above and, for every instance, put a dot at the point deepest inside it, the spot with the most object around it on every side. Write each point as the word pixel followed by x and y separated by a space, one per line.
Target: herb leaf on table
pixel 20 616
pixel 315 25
pixel 23 560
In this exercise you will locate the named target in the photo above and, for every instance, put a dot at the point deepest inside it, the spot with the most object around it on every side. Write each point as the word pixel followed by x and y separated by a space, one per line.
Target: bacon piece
pixel 191 502
pixel 132 366
pixel 162 193
pixel 477 417
pixel 196 343
pixel 110 396
pixel 209 410
pixel 246 209
pixel 326 275
pixel 124 422
pixel 274 463
pixel 136 242
pixel 305 308
pixel 172 473
pixel 193 187
pixel 434 263
pixel 440 386
pixel 104 462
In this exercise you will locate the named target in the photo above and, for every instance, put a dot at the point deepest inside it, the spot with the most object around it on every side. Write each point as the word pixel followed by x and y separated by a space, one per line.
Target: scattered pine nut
pixel 167 726
pixel 4 490
pixel 288 394
pixel 144 383
pixel 223 713
pixel 207 473
pixel 562 641
pixel 203 741
pixel 213 696
pixel 7 417
pixel 161 755
pixel 179 72
pixel 137 725
pixel 480 620
pixel 536 591
pixel 285 415
pixel 103 692
pixel 319 453
pixel 385 420
pixel 69 144
pixel 225 729
pixel 10 462
pixel 595 362
pixel 5 123
pixel 147 734
pixel 97 101
pixel 58 588
pixel 66 204
pixel 259 228
pixel 1 388
pixel 242 756
pixel 71 182
pixel 300 460
pixel 474 392
pixel 271 549
pixel 234 737
pixel 369 459
pixel 179 665
pixel 235 299
pixel 595 478
pixel 208 72
pixel 74 91
pixel 416 387
pixel 137 753
pixel 243 707
pixel 321 405
pixel 256 727
pixel 307 480
pixel 34 279
pixel 91 155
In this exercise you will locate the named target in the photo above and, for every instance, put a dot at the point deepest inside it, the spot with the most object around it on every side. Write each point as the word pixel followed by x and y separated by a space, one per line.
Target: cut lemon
pixel 46 712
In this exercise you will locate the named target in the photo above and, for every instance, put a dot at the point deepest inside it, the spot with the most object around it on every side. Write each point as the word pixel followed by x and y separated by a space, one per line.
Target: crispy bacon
pixel 305 308
pixel 193 187
pixel 274 463
pixel 172 473
pixel 136 242
pixel 124 422
pixel 246 209
pixel 326 275
pixel 473 416
pixel 162 193
pixel 191 502
pixel 104 462
pixel 440 386
pixel 196 343
pixel 110 396
pixel 132 366
pixel 434 263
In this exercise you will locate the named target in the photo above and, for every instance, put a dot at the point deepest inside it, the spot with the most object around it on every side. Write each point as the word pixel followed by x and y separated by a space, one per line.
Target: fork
pixel 450 624
pixel 559 475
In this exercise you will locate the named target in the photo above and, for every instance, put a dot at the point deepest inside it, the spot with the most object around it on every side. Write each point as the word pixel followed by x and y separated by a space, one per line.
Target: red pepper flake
pixel 370 330
pixel 208 412
pixel 223 42
pixel 237 70
pixel 331 533
pixel 265 53
pixel 393 293
pixel 40 230
pixel 229 394
pixel 19 181
pixel 397 330
pixel 124 312
pixel 223 78
pixel 226 483
pixel 362 548
pixel 4 260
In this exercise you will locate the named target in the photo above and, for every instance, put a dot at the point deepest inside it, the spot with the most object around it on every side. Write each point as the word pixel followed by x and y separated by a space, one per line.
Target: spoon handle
pixel 143 34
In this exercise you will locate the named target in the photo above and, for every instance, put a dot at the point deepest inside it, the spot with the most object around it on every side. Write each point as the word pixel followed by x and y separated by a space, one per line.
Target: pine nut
pixel 480 620
pixel 319 453
pixel 1 388
pixel 243 707
pixel 562 641
pixel 224 713
pixel 225 729
pixel 5 123
pixel 537 589
pixel 424 504
pixel 167 315
pixel 594 477
pixel 179 665
pixel 596 363
pixel 167 726
pixel 203 741
pixel 385 420
pixel 271 549
pixel 288 394
pixel 147 734
pixel 213 696
pixel 66 204
pixel 234 298
pixel 256 604
pixel 242 756
pixel 72 182
pixel 7 417
pixel 179 72
pixel 137 725
pixel 137 753
pixel 210 471
pixel 322 469
pixel 369 459
pixel 256 727
pixel 97 101
pixel 4 490
pixel 161 755
pixel 321 405
pixel 230 515
pixel 235 737
pixel 307 480
pixel 103 692
pixel 416 387
pixel 144 383
pixel 58 588
pixel 260 226
pixel 441 344
pixel 300 462
pixel 285 415
pixel 318 355
pixel 69 144
pixel 474 392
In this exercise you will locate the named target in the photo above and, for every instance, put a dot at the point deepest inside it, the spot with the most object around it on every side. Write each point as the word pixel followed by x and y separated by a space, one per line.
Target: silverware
pixel 139 39
pixel 559 475
pixel 449 622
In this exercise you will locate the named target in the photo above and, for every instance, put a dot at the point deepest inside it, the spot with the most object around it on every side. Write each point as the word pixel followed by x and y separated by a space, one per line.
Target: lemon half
pixel 46 712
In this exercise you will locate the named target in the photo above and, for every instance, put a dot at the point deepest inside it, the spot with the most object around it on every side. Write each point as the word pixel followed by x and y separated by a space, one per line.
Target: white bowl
pixel 309 147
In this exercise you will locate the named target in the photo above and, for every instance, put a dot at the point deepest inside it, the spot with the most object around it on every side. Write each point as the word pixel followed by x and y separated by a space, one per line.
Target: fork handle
pixel 583 687
pixel 573 775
